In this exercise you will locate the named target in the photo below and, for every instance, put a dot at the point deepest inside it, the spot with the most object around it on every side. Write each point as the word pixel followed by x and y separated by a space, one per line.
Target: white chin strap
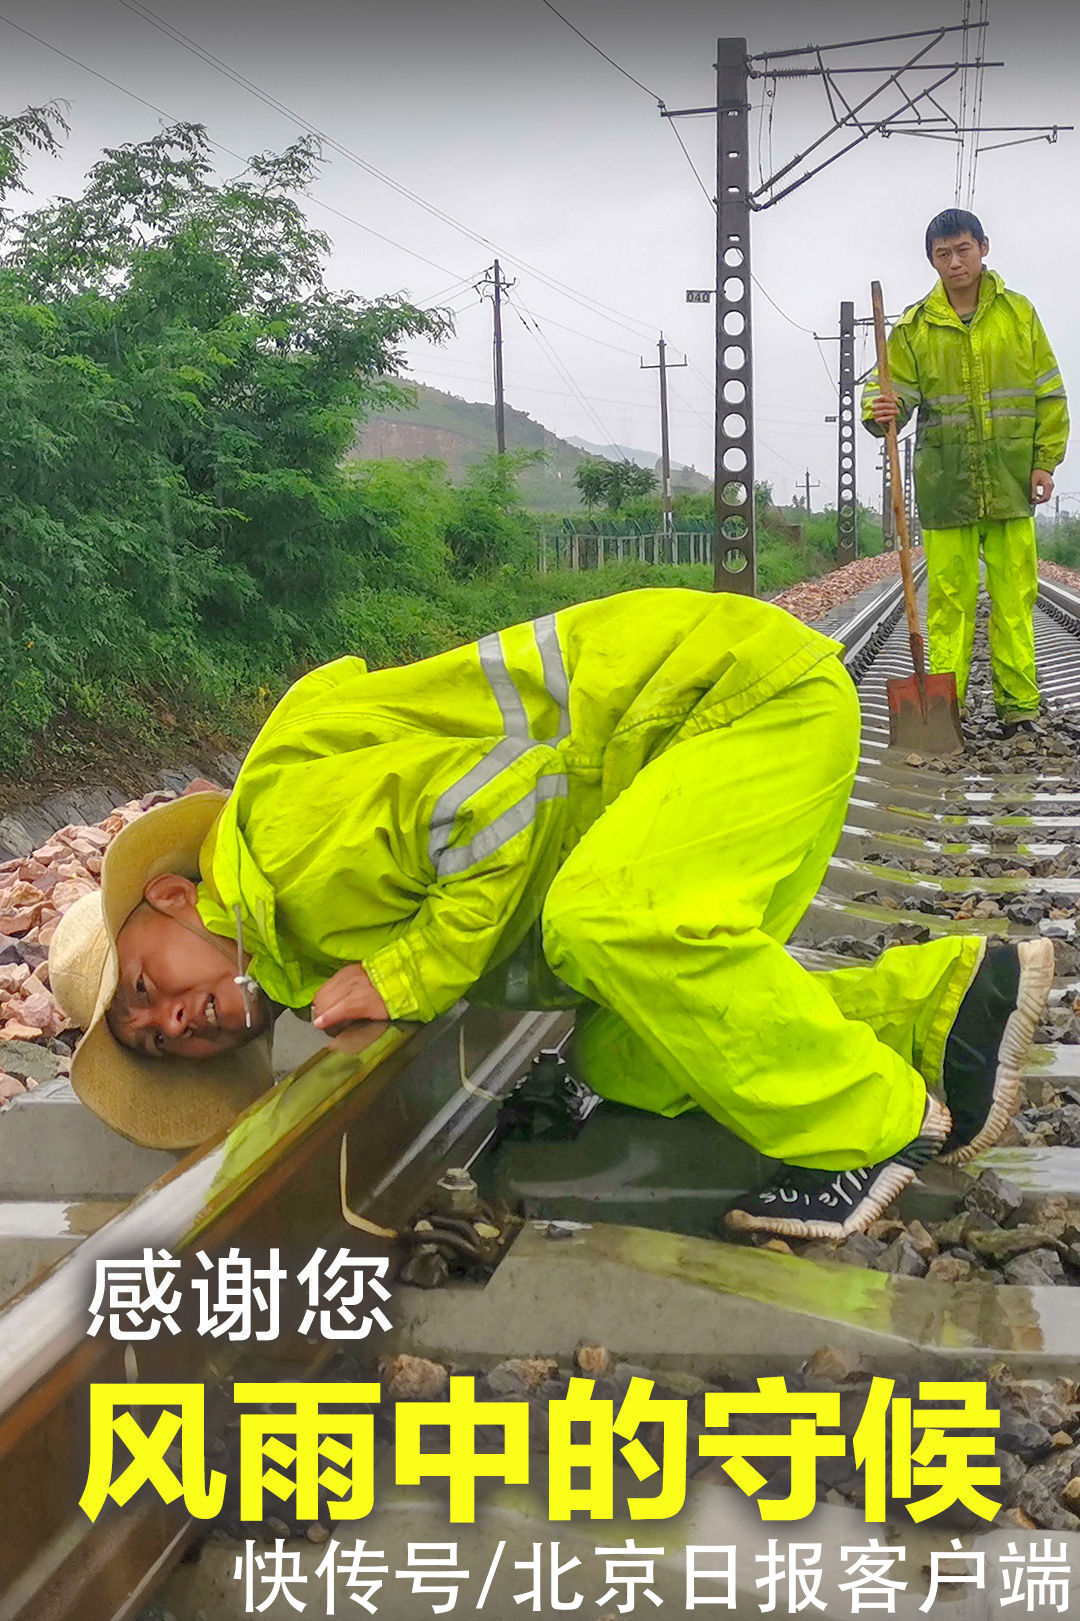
pixel 249 988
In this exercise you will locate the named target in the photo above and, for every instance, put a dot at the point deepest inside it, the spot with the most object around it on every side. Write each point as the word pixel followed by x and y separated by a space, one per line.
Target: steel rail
pixel 870 624
pixel 1060 603
pixel 367 1133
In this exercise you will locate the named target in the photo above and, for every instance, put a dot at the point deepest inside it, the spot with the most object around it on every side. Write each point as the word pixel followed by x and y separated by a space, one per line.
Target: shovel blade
pixel 934 729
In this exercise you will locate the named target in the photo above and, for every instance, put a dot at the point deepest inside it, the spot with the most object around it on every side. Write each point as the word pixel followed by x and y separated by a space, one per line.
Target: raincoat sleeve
pixel 1051 406
pixel 462 923
pixel 905 382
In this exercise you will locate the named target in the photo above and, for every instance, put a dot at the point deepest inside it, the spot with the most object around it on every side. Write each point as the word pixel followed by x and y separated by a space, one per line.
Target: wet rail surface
pixel 358 1142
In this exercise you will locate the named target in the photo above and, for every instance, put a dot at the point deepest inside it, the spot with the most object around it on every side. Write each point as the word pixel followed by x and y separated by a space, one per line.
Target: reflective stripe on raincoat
pixel 412 819
pixel 990 401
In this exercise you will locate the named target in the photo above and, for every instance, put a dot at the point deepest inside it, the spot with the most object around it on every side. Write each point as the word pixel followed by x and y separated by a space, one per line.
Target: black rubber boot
pixel 988 1044
pixel 800 1203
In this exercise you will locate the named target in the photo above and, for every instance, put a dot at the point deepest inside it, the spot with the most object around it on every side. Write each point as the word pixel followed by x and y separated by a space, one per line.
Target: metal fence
pixel 592 544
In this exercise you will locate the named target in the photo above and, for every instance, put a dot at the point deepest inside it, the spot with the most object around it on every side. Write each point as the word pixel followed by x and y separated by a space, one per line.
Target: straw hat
pixel 161 1103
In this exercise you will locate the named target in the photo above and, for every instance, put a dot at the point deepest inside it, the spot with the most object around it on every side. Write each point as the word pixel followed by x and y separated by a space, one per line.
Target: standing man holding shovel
pixel 972 359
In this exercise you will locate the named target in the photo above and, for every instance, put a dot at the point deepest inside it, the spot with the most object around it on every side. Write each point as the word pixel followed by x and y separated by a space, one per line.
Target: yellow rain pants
pixel 671 914
pixel 952 557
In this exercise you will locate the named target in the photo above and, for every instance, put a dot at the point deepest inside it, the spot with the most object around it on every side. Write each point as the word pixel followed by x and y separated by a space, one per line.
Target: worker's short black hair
pixel 952 222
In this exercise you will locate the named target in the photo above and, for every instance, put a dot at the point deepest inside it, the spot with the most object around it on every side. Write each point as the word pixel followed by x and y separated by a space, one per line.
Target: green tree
pixel 592 475
pixel 490 528
pixel 613 483
pixel 634 482
pixel 180 386
pixel 400 513
pixel 1060 542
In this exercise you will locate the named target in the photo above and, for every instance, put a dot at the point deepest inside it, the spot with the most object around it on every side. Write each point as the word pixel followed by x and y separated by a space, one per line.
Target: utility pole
pixel 1057 512
pixel 916 111
pixel 735 554
pixel 888 516
pixel 495 281
pixel 807 486
pixel 909 491
pixel 847 508
pixel 733 469
pixel 663 368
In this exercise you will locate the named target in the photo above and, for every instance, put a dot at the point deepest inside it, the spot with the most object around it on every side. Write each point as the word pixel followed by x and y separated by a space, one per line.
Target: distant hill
pixel 460 432
pixel 642 458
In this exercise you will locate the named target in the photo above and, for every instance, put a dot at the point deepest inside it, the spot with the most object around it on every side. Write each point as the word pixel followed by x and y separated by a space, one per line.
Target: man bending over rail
pixel 628 806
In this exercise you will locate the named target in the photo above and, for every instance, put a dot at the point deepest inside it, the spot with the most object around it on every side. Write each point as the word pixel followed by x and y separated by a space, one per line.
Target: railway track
pixel 361 1140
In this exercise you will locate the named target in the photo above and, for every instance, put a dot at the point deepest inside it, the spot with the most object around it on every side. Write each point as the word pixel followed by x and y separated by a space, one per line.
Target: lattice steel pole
pixel 736 556
pixel 909 491
pixel 888 517
pixel 847 509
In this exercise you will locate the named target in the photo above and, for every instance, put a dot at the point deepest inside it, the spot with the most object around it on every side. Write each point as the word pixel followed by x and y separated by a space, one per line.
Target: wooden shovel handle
pixel 895 487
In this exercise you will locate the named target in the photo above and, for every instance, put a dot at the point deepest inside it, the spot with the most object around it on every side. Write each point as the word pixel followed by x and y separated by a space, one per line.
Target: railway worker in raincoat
pixel 974 364
pixel 627 805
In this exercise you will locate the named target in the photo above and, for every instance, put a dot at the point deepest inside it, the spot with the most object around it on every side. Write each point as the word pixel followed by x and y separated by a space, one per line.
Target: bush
pixel 180 386
pixel 1061 543
pixel 398 515
pixel 489 528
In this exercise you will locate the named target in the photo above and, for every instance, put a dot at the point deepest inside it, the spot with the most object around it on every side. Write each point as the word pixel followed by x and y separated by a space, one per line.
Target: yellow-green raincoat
pixel 632 802
pixel 991 409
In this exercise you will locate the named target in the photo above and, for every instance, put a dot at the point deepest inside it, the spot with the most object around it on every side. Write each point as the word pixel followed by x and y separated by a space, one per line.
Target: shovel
pixel 923 710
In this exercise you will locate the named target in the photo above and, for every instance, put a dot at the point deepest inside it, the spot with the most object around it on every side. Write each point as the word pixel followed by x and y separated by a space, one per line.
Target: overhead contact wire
pixel 594 306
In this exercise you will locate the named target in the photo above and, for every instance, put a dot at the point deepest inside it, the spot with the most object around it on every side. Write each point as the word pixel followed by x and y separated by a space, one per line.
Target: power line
pixel 691 406
pixel 640 406
pixel 794 423
pixel 962 114
pixel 455 290
pixel 459 282
pixel 219 65
pixel 590 336
pixel 532 325
pixel 290 113
pixel 594 47
pixel 459 309
pixel 709 198
pixel 219 146
pixel 833 381
pixel 779 423
pixel 700 375
pixel 350 219
pixel 102 76
pixel 778 453
pixel 976 118
pixel 809 331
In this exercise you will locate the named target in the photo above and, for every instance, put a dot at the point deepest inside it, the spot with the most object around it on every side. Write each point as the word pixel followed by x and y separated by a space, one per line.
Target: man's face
pixel 177 995
pixel 958 260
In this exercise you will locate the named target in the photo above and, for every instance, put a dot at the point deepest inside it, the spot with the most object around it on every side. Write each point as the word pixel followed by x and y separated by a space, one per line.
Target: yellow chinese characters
pixel 316 1452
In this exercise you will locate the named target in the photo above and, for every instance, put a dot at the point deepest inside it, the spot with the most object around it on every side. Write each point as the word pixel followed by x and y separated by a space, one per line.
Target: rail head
pixel 870 622
pixel 1061 602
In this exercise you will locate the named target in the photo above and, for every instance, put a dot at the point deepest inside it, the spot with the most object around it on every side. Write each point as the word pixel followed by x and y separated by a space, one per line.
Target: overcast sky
pixel 494 112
